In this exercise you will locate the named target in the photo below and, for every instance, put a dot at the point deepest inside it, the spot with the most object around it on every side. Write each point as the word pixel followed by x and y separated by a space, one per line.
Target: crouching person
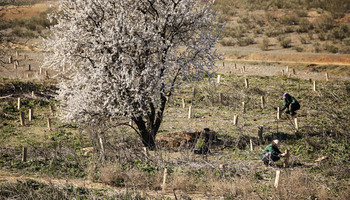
pixel 271 153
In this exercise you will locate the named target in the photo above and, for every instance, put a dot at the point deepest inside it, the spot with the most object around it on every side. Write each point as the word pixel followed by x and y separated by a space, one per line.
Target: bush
pixel 273 32
pixel 257 31
pixel 245 41
pixel 304 26
pixel 301 13
pixel 324 22
pixel 346 41
pixel 285 42
pixel 317 47
pixel 303 40
pixel 331 48
pixel 341 32
pixel 265 44
pixel 322 36
pixel 288 29
pixel 227 42
pixel 298 48
pixel 289 20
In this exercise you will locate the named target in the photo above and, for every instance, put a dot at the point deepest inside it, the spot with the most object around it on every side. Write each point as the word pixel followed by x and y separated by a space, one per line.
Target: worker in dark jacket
pixel 290 103
pixel 271 153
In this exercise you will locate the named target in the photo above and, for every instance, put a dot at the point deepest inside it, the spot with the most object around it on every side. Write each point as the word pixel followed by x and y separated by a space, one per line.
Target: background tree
pixel 124 58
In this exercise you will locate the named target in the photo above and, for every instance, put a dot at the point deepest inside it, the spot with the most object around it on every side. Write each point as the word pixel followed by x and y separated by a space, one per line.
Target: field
pixel 43 158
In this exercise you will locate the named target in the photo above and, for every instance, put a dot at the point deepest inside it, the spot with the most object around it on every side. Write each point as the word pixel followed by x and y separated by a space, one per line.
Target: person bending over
pixel 291 104
pixel 271 153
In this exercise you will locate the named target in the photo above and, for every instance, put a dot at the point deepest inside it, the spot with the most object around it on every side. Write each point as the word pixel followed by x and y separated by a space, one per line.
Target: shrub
pixel 346 41
pixel 244 19
pixel 285 43
pixel 298 48
pixel 301 13
pixel 311 35
pixel 322 36
pixel 303 40
pixel 240 31
pixel 331 48
pixel 317 47
pixel 341 32
pixel 324 22
pixel 288 29
pixel 289 20
pixel 257 31
pixel 304 26
pixel 265 44
pixel 345 50
pixel 245 41
pixel 227 42
pixel 273 32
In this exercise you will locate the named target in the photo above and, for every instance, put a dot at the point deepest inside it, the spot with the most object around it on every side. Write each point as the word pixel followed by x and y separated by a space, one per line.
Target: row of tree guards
pixel 15 62
pixel 283 72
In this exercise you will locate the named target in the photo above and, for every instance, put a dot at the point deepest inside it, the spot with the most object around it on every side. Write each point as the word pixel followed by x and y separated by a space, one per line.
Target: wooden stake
pixel 235 66
pixel 243 68
pixel 277 178
pixel 278 113
pixel 218 79
pixel 29 67
pixel 24 154
pixel 287 69
pixel 30 115
pixel 41 71
pixel 33 94
pixel 49 124
pixel 183 103
pixel 282 72
pixel 251 144
pixel 14 66
pixel 164 179
pixel 262 102
pixel 294 72
pixel 223 64
pixel 190 112
pixel 296 124
pixel 16 54
pixel 243 107
pixel 10 59
pixel 18 103
pixel 221 97
pixel 246 83
pixel 314 87
pixel 235 120
pixel 286 159
pixel 21 119
pixel 327 77
pixel 102 147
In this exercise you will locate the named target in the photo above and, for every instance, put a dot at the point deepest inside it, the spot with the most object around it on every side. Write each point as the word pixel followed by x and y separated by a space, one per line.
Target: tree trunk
pixel 149 139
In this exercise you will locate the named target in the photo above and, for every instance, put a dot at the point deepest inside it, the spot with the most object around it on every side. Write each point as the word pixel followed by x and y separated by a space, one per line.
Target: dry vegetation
pixel 319 163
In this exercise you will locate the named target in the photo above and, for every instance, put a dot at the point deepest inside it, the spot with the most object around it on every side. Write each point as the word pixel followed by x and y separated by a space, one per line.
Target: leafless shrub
pixel 112 174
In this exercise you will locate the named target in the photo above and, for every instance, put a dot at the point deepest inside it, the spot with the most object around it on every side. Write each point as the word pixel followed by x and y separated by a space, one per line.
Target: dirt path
pixel 7 177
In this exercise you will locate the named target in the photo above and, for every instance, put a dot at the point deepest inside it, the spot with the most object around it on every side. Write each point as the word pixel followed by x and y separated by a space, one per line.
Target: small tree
pixel 124 58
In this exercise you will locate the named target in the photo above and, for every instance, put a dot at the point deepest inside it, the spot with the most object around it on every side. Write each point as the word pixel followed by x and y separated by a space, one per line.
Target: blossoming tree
pixel 124 57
